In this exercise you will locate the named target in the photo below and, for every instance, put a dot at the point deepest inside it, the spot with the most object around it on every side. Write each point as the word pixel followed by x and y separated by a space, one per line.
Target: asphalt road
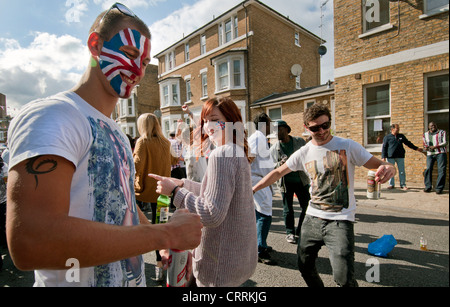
pixel 405 266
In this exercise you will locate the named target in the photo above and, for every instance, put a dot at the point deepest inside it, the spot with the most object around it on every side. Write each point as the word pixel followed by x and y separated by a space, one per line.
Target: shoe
pixel 158 274
pixel 268 249
pixel 438 191
pixel 264 257
pixel 404 188
pixel 291 239
pixel 390 187
pixel 427 190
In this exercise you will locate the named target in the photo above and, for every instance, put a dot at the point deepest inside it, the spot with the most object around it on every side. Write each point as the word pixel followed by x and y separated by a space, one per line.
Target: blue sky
pixel 42 43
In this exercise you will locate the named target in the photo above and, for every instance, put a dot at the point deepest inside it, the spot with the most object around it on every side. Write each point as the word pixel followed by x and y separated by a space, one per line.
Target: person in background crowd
pixel 394 153
pixel 330 163
pixel 260 167
pixel 151 155
pixel 71 197
pixel 435 144
pixel 293 183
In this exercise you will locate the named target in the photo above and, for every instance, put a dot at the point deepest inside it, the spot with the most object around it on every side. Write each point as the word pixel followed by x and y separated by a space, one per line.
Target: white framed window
pixel 203 44
pixel 377 114
pixel 187 55
pixel 204 76
pixel 432 7
pixel 169 123
pixel 170 61
pixel 228 30
pixel 188 90
pixel 130 129
pixel 297 39
pixel 170 93
pixel 376 14
pixel 127 107
pixel 229 72
pixel 275 113
pixel 437 99
pixel 297 82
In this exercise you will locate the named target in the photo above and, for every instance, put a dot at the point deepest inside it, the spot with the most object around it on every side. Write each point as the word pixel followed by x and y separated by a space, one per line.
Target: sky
pixel 43 42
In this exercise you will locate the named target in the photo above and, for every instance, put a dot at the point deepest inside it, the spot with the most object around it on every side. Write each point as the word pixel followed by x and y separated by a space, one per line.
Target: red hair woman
pixel 227 255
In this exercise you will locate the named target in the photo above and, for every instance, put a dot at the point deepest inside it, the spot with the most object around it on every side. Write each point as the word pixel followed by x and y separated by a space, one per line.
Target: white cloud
pixel 48 65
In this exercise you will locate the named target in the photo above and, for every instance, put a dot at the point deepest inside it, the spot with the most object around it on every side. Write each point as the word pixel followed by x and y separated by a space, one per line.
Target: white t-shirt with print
pixel 331 168
pixel 103 183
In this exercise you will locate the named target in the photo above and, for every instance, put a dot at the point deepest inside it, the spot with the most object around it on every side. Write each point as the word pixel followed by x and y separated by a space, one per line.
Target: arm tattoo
pixel 44 166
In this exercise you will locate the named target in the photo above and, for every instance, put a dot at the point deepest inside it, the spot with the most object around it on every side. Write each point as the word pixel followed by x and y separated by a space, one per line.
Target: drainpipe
pixel 248 63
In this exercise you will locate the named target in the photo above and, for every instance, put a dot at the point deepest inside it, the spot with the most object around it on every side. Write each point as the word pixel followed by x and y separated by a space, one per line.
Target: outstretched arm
pixel 42 235
pixel 270 178
pixel 385 170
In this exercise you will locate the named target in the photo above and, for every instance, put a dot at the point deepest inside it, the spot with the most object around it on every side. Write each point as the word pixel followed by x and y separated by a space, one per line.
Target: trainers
pixel 438 191
pixel 427 190
pixel 264 257
pixel 291 238
pixel 404 188
pixel 390 187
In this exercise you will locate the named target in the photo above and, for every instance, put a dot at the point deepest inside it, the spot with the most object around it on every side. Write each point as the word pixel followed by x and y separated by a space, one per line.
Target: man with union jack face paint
pixel 72 171
pixel 123 60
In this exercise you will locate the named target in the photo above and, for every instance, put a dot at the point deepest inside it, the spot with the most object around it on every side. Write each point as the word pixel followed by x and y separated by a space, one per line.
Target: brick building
pixel 246 53
pixel 391 66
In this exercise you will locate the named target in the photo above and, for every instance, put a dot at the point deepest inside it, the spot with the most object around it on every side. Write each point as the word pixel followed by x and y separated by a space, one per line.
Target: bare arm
pixel 42 235
pixel 273 176
pixel 385 170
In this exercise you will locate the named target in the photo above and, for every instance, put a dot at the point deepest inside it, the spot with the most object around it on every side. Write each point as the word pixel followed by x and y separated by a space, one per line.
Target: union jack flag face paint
pixel 122 60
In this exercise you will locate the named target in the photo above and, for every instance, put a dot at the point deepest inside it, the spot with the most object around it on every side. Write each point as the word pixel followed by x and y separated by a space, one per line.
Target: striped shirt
pixel 438 138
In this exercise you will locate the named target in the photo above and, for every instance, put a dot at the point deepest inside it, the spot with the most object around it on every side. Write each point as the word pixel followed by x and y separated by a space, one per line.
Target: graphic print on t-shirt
pixel 329 187
pixel 110 169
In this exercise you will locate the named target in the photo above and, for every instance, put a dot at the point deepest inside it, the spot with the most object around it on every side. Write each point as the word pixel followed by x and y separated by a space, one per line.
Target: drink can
pixel 162 209
pixel 373 188
pixel 177 271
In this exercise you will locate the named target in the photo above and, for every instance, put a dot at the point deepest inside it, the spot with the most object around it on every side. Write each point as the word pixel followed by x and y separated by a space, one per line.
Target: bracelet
pixel 173 196
pixel 173 191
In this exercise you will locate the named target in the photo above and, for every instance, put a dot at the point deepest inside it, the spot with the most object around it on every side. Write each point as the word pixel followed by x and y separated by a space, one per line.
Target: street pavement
pixel 404 214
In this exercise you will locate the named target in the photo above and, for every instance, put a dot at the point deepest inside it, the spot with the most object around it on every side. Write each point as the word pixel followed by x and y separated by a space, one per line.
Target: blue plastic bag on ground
pixel 382 246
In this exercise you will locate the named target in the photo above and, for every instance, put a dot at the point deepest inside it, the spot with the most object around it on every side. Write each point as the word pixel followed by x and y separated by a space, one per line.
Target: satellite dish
pixel 296 70
pixel 322 50
pixel 158 113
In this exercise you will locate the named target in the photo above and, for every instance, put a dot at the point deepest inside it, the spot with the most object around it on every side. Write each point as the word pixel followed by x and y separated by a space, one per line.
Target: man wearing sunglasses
pixel 330 163
pixel 71 195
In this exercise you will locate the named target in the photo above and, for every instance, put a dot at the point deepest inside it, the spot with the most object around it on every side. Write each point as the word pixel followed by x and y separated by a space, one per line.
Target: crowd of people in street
pixel 77 189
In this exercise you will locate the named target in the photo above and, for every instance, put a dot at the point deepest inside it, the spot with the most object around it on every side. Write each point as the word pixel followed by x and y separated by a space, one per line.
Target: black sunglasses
pixel 122 8
pixel 324 126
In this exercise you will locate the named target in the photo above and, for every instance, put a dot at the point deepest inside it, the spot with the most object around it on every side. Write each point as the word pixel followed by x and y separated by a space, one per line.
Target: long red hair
pixel 232 114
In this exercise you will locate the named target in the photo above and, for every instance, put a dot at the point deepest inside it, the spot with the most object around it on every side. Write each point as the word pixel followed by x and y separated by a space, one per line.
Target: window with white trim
pixel 170 93
pixel 377 114
pixel 437 100
pixel 126 107
pixel 203 44
pixel 275 113
pixel 170 61
pixel 188 90
pixel 229 72
pixel 435 6
pixel 375 14
pixel 204 84
pixel 297 39
pixel 187 55
pixel 228 30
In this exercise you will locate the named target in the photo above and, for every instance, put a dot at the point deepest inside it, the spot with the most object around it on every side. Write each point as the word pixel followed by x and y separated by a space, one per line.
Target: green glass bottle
pixel 162 209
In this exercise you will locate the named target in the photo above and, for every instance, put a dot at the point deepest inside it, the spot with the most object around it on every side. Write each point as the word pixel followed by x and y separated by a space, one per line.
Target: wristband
pixel 173 195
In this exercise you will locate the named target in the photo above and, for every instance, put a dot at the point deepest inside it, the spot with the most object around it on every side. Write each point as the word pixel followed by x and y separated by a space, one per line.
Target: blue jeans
pixel 401 171
pixel 441 160
pixel 339 238
pixel 263 223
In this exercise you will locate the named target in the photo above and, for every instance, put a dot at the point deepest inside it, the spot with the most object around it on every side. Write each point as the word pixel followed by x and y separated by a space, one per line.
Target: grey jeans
pixel 339 238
